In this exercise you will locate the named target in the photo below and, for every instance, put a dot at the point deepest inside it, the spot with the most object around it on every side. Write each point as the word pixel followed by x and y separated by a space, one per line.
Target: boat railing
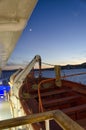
pixel 58 116
pixel 71 75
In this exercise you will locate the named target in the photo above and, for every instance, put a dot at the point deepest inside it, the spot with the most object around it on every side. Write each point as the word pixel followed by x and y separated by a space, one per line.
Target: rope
pixel 39 94
pixel 48 64
pixel 65 76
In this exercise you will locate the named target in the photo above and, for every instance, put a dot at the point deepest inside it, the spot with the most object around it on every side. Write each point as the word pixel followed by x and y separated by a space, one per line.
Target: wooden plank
pixel 53 92
pixel 82 123
pixel 80 90
pixel 76 108
pixel 65 99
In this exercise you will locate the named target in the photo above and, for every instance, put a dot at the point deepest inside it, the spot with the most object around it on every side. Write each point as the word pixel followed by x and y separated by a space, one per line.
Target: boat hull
pixel 69 98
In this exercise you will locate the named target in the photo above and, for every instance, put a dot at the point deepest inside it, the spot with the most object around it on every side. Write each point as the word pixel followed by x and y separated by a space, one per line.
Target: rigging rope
pixel 65 75
pixel 39 93
pixel 48 64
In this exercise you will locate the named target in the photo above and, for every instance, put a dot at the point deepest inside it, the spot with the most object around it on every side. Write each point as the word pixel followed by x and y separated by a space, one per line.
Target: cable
pixel 48 64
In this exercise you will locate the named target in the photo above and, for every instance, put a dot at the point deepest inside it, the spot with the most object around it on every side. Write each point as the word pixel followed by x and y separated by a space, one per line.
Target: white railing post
pixel 47 125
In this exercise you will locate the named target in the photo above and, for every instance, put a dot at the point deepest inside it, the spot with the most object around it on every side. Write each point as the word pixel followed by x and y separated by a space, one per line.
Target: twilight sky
pixel 56 31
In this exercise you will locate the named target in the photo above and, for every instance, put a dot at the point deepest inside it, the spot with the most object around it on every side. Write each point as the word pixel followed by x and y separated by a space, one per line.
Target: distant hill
pixel 77 66
pixel 69 66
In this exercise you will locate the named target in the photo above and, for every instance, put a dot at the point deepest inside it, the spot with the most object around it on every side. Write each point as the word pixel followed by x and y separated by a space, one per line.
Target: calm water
pixel 5 76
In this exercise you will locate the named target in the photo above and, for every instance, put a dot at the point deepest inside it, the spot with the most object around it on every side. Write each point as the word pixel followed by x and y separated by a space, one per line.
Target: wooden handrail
pixel 71 75
pixel 62 119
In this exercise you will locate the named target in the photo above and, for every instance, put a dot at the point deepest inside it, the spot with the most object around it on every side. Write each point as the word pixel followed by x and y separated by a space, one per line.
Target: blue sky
pixel 56 31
